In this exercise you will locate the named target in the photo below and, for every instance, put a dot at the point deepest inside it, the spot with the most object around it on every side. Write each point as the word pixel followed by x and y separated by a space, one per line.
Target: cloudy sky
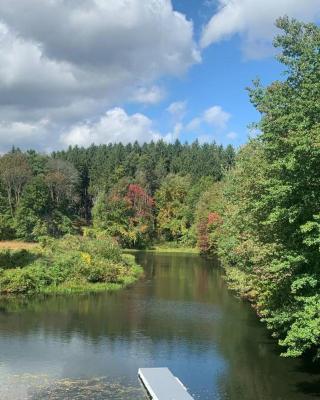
pixel 83 71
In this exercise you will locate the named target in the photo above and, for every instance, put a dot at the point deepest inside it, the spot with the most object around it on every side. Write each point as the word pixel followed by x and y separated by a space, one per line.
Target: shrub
pixel 24 280
pixel 72 263
pixel 17 258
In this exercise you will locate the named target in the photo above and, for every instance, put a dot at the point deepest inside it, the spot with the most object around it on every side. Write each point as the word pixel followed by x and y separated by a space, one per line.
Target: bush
pixel 17 258
pixel 72 263
pixel 101 271
pixel 24 280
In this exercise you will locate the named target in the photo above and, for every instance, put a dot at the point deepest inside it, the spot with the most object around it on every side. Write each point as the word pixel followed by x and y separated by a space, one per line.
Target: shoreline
pixel 66 266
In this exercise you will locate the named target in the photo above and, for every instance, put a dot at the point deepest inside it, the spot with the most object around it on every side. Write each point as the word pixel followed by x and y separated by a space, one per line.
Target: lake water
pixel 180 315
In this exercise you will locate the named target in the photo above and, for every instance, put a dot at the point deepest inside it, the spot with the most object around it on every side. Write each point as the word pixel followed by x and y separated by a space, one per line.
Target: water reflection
pixel 180 315
pixel 39 387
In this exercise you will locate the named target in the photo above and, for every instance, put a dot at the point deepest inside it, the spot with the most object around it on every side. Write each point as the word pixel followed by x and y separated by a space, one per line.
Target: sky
pixel 77 72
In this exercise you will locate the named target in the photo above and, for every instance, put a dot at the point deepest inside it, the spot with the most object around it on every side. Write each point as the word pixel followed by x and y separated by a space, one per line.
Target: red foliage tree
pixel 139 200
pixel 205 227
pixel 214 219
pixel 203 240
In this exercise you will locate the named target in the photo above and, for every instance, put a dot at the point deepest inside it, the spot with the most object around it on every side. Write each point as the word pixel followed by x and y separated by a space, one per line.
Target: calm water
pixel 180 315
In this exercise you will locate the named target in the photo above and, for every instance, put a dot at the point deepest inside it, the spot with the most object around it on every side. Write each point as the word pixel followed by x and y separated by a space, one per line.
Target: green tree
pixel 37 216
pixel 15 172
pixel 61 179
pixel 33 211
pixel 208 218
pixel 270 236
pixel 6 221
pixel 172 208
pixel 126 213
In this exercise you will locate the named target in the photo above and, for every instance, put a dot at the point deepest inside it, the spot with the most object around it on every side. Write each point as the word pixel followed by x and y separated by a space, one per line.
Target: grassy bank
pixel 15 245
pixel 72 264
pixel 168 248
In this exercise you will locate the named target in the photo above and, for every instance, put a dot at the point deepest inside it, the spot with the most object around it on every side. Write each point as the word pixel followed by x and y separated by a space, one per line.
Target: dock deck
pixel 161 384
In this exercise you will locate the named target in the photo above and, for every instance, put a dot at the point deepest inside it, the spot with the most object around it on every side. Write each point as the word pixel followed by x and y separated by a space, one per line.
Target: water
pixel 180 315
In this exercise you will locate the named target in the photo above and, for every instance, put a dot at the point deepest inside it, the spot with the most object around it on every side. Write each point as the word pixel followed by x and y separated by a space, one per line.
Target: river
pixel 180 315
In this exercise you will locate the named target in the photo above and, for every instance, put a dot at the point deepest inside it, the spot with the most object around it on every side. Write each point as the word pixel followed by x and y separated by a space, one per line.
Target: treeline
pixel 264 221
pixel 135 193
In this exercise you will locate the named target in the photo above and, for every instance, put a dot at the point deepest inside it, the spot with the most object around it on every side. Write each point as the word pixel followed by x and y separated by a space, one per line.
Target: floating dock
pixel 161 384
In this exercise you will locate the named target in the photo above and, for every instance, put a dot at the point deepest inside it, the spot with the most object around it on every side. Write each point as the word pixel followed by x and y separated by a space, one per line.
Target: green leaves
pixel 304 333
pixel 270 240
pixel 173 217
pixel 304 283
pixel 311 232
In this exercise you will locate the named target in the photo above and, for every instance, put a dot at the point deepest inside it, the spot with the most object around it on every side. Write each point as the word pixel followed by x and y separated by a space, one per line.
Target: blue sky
pixel 96 71
pixel 220 79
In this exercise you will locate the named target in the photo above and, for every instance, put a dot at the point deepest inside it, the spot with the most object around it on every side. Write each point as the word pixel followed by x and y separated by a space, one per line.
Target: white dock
pixel 162 385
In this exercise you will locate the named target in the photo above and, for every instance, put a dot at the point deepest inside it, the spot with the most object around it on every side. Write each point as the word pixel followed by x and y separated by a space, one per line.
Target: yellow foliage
pixel 86 257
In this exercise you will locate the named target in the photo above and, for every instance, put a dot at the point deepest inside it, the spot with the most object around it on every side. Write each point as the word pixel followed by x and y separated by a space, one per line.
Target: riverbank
pixel 167 248
pixel 69 265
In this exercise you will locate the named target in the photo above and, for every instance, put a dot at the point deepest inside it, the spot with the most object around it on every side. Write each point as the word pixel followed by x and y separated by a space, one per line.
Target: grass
pixel 168 249
pixel 160 249
pixel 15 245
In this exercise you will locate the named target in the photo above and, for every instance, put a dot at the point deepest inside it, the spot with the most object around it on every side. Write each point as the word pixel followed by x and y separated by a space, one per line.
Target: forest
pixel 257 207
pixel 137 194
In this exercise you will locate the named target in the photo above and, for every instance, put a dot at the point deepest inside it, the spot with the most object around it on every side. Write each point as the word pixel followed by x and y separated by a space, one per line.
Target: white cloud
pixel 254 21
pixel 177 109
pixel 26 75
pixel 63 60
pixel 107 33
pixel 232 135
pixel 152 95
pixel 15 132
pixel 194 124
pixel 116 126
pixel 174 135
pixel 214 116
